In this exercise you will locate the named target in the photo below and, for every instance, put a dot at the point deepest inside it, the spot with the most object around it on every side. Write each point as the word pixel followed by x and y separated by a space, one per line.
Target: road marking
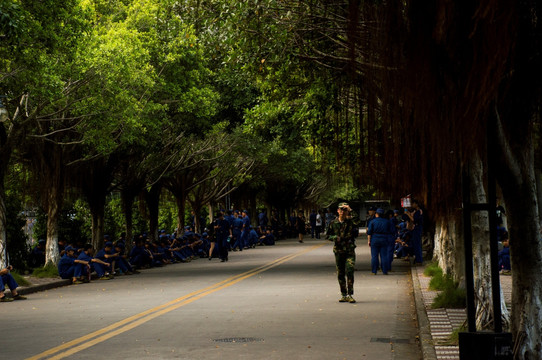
pixel 98 336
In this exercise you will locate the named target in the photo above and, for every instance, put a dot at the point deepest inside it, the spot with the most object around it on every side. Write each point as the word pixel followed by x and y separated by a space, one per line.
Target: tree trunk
pixel 152 198
pixel 211 213
pixel 481 252
pixel 519 187
pixel 3 233
pixel 180 198
pixel 97 211
pixel 449 247
pixel 539 193
pixel 54 201
pixel 127 204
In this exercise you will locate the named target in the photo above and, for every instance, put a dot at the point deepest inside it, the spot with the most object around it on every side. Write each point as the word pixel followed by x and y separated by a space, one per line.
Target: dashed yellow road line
pixel 98 336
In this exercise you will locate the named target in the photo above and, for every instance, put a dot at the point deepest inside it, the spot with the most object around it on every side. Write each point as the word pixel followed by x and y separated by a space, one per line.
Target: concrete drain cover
pixel 391 340
pixel 238 340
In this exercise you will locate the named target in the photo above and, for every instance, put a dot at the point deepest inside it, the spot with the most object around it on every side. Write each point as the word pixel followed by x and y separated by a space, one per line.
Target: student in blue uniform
pixel 7 279
pixel 66 265
pixel 263 220
pixel 236 230
pixel 245 230
pixel 268 238
pixel 138 256
pixel 416 216
pixel 89 263
pixel 504 258
pixel 378 234
pixel 37 256
pixel 370 215
pixel 106 254
pixel 253 237
pixel 122 260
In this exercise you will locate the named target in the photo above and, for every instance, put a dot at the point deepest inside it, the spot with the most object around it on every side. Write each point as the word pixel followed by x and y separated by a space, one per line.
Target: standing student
pixel 340 231
pixel 378 234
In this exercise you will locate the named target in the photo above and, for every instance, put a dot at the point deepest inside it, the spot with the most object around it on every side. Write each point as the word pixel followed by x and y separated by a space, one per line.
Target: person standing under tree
pixel 340 231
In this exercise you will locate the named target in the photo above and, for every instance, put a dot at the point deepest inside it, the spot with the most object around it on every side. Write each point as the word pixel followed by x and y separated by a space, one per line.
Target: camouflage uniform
pixel 342 234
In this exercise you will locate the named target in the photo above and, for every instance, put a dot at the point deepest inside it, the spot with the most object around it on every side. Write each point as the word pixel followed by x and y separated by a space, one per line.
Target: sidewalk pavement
pixel 436 325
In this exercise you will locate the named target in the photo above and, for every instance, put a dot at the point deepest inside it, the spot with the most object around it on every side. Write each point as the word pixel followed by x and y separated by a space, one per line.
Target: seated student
pixel 153 257
pixel 253 238
pixel 37 256
pixel 206 244
pixel 504 258
pixel 164 248
pixel 404 248
pixel 88 263
pixel 159 253
pixel 61 247
pixel 122 260
pixel 7 279
pixel 106 254
pixel 67 264
pixel 178 251
pixel 267 239
pixel 139 258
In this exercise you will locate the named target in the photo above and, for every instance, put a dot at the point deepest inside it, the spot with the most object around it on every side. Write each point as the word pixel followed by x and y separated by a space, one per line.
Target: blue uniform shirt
pixel 380 229
pixel 246 222
pixel 65 263
pixel 84 256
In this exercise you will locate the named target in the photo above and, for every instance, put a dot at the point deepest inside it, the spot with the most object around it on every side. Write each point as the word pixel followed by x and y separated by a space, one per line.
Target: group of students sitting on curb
pixel 79 262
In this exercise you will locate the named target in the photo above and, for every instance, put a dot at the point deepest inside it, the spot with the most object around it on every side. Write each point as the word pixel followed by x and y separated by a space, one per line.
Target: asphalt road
pixel 278 302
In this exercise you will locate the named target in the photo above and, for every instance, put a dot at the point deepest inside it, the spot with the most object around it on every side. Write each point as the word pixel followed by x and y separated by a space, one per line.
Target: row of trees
pixel 134 97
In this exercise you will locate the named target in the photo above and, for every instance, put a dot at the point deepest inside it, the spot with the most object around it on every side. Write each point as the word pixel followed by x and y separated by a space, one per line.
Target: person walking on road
pixel 340 231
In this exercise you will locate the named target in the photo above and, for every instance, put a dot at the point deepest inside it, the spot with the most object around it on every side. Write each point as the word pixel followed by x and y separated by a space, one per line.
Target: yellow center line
pixel 134 321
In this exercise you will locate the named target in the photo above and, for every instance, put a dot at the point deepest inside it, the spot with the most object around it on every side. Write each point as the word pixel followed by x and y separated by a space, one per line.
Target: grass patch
pixel 440 281
pixel 432 269
pixel 452 297
pixel 21 281
pixel 46 272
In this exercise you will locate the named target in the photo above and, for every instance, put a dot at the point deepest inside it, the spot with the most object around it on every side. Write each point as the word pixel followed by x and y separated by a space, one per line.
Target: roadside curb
pixel 426 340
pixel 25 290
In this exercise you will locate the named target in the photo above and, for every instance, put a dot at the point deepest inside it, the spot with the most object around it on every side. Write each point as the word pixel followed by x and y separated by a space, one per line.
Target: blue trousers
pixel 68 274
pixel 379 248
pixel 244 238
pixel 123 264
pixel 99 268
pixel 80 270
pixel 7 279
